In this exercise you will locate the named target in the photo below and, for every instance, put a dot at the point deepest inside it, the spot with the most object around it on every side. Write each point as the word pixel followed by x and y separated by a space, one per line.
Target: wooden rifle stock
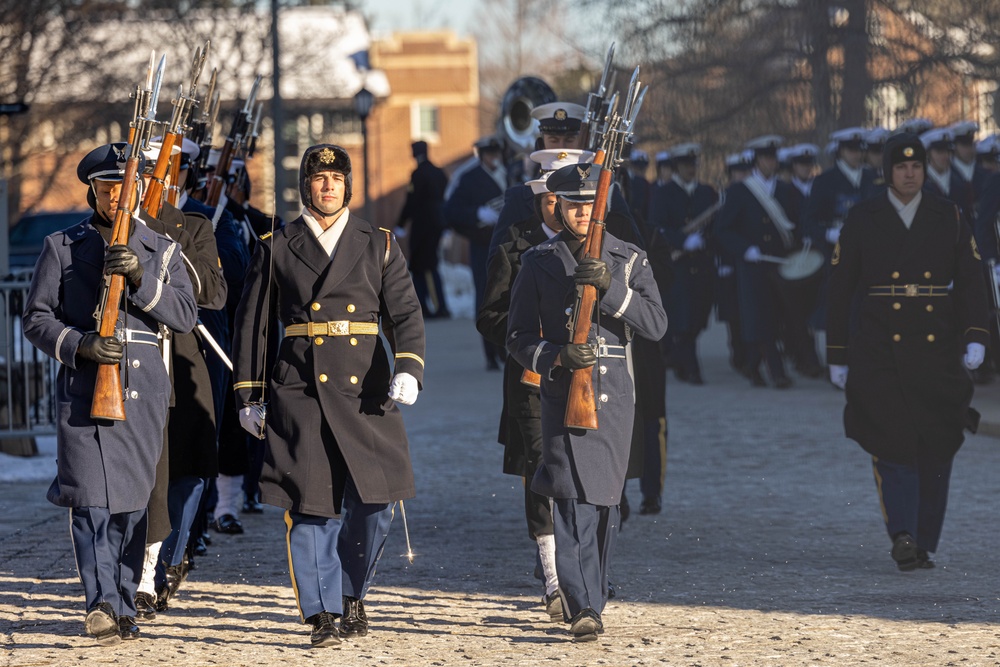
pixel 174 189
pixel 581 406
pixel 152 202
pixel 108 402
pixel 218 182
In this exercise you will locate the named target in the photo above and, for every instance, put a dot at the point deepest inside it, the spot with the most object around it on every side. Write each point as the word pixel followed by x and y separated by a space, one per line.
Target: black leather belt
pixel 908 290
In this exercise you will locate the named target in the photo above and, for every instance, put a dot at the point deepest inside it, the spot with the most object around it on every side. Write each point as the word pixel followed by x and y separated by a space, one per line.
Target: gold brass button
pixel 930 308
pixel 323 377
pixel 351 308
pixel 354 379
pixel 930 338
pixel 319 340
pixel 897 306
pixel 354 341
pixel 315 306
pixel 895 274
pixel 927 274
pixel 897 337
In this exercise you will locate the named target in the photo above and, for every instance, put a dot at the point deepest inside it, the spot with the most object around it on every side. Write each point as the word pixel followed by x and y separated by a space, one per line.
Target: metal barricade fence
pixel 27 376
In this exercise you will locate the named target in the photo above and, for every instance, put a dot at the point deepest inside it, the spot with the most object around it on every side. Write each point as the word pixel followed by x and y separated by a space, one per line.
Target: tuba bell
pixel 515 124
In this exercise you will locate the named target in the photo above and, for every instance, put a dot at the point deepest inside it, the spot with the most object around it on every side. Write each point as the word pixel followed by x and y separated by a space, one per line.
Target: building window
pixel 424 122
pixel 887 106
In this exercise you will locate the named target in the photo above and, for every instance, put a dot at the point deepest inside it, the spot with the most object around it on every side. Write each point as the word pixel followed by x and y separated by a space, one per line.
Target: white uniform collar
pixel 685 186
pixel 767 183
pixel 964 169
pixel 805 187
pixel 328 237
pixel 853 175
pixel 906 211
pixel 943 180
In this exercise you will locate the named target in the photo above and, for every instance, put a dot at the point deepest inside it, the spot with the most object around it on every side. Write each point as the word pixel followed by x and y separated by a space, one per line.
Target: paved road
pixel 770 551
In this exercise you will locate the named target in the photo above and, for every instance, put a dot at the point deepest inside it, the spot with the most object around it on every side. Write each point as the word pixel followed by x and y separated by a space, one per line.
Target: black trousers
pixel 914 497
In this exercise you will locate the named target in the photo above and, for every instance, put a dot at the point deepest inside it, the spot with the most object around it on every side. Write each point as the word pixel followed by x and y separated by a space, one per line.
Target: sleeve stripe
pixel 59 342
pixel 410 355
pixel 538 352
pixel 621 310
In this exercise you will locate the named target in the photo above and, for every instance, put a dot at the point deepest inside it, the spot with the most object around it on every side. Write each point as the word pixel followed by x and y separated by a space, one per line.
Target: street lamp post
pixel 364 100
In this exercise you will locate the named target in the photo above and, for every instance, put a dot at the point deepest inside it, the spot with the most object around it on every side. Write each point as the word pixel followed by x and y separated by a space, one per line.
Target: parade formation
pixel 214 359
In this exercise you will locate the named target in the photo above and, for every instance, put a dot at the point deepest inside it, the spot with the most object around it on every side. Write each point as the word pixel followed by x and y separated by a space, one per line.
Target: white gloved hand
pixel 694 242
pixel 404 388
pixel 400 232
pixel 752 254
pixel 838 376
pixel 487 215
pixel 974 354
pixel 252 418
pixel 832 235
pixel 725 271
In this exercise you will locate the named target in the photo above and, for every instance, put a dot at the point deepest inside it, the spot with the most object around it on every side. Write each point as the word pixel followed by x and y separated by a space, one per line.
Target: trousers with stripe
pixel 914 497
pixel 333 557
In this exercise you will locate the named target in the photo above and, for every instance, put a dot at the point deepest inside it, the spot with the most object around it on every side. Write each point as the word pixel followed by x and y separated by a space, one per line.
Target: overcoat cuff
pixel 836 355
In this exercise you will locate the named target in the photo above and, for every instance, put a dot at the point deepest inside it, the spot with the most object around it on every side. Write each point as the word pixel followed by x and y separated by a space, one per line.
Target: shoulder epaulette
pixel 383 229
pixel 264 237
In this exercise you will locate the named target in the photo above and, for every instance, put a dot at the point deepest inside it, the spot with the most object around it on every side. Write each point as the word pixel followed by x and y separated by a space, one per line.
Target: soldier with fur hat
pixel 908 318
pixel 336 458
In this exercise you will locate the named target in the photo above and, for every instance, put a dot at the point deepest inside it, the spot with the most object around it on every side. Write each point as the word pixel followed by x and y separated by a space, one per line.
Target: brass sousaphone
pixel 515 124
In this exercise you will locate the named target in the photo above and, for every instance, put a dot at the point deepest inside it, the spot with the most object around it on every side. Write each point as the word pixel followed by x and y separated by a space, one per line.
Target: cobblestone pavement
pixel 770 551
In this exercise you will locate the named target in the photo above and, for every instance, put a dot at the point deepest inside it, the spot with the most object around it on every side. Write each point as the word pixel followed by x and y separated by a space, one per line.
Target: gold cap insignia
pixel 327 156
pixel 908 152
pixel 560 114
pixel 562 156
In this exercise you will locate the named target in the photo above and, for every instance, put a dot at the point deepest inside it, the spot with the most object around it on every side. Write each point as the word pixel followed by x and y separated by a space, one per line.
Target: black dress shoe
pixel 904 552
pixel 586 625
pixel 650 506
pixel 354 622
pixel 102 624
pixel 756 379
pixel 924 561
pixel 625 509
pixel 228 524
pixel 553 606
pixel 782 382
pixel 324 632
pixel 145 606
pixel 206 538
pixel 200 547
pixel 127 627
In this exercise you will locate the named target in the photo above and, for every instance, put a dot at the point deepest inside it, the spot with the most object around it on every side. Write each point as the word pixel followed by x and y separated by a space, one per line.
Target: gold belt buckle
pixel 310 331
pixel 338 328
pixel 912 290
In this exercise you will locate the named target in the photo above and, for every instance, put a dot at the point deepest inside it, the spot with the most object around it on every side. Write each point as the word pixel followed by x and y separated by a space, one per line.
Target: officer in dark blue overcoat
pixel 907 271
pixel 337 457
pixel 106 469
pixel 583 471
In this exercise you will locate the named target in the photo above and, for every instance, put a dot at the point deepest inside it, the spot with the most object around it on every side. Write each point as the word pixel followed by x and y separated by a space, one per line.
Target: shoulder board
pixel 266 236
pixel 383 229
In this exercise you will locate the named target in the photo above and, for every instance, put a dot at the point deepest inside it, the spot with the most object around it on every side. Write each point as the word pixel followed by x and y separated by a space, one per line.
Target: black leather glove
pixel 575 356
pixel 593 272
pixel 100 349
pixel 123 261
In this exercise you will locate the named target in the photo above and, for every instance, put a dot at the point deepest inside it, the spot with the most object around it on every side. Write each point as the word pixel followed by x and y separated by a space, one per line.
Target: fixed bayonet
pixel 607 83
pixel 197 66
pixel 157 82
pixel 252 97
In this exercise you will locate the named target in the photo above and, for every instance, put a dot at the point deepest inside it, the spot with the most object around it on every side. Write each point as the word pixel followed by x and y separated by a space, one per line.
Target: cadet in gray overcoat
pixel 336 457
pixel 106 470
pixel 583 471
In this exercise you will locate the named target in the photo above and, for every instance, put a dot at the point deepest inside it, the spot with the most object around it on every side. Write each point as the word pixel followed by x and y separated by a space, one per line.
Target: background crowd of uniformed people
pixel 759 251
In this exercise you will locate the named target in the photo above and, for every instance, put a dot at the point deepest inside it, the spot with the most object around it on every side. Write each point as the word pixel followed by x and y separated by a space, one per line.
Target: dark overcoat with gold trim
pixel 907 391
pixel 328 409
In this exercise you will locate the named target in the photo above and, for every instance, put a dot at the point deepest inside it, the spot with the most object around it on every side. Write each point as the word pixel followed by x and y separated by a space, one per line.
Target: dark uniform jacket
pixel 830 199
pixel 520 401
pixel 107 464
pixel 688 296
pixel 329 413
pixel 742 222
pixel 986 219
pixel 424 210
pixel 192 428
pixel 907 391
pixel 586 465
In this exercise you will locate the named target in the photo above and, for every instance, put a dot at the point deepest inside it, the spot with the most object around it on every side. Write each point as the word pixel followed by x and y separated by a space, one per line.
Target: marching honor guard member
pixel 912 261
pixel 753 224
pixel 106 469
pixel 583 471
pixel 336 456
